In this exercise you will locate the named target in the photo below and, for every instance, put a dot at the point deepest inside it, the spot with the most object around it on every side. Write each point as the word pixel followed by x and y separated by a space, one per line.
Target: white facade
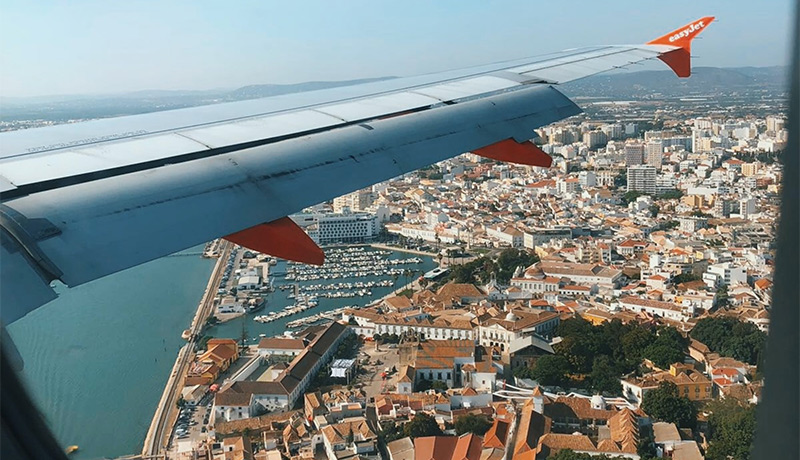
pixel 642 179
pixel 327 228
pixel 724 275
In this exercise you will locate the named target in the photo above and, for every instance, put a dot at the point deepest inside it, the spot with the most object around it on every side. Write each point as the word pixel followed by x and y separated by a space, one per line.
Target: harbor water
pixel 279 299
pixel 97 358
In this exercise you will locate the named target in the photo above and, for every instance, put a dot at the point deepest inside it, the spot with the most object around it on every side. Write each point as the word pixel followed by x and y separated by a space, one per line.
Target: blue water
pixel 97 358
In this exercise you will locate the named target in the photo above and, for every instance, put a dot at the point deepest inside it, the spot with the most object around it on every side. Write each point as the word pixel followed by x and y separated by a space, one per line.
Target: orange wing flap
pixel 509 150
pixel 280 238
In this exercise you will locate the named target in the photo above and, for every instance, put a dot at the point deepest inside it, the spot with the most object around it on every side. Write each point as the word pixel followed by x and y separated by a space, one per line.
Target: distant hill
pixel 704 80
pixel 620 85
pixel 256 91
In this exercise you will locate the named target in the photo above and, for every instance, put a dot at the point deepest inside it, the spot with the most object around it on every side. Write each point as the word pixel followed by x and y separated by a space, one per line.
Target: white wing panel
pixel 44 167
pixel 378 106
pixel 260 128
pixel 467 88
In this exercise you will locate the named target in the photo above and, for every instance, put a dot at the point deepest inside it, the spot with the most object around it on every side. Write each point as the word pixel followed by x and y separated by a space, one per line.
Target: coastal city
pixel 614 305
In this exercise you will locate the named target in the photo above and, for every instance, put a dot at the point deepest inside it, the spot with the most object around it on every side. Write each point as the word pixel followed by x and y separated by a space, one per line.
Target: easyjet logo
pixel 687 31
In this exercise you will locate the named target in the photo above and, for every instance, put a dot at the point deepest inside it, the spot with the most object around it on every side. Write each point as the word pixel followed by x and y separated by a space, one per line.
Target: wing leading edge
pixel 82 201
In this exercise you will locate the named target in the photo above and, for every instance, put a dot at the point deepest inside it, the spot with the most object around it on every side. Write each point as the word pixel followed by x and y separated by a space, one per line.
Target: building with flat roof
pixel 642 178
pixel 347 227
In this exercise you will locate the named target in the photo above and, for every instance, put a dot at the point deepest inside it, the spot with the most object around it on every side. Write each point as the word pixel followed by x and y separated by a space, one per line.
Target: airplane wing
pixel 81 201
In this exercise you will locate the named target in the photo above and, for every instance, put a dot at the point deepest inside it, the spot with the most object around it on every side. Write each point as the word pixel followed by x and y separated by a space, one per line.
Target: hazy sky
pixel 79 47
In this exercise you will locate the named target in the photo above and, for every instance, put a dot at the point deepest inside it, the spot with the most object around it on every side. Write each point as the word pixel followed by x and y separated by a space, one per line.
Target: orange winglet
pixel 524 153
pixel 679 60
pixel 280 238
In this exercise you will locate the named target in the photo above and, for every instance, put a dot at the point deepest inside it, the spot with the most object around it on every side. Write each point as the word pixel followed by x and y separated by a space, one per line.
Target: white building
pixel 666 310
pixel 642 179
pixel 327 228
pixel 724 274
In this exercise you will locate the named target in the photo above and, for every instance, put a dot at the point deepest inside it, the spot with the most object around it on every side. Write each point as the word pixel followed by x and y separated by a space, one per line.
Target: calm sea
pixel 97 358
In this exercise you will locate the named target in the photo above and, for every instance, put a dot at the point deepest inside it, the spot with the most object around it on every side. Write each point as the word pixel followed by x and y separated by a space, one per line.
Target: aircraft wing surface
pixel 83 200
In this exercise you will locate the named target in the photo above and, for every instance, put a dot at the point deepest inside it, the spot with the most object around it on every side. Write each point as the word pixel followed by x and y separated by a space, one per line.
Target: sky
pixel 101 47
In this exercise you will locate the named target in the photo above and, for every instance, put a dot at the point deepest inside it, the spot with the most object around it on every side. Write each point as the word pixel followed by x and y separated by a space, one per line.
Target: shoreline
pixel 166 411
pixel 399 249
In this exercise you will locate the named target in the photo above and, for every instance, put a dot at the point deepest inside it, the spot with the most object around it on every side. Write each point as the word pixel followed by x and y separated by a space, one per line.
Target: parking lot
pixel 372 380
pixel 192 424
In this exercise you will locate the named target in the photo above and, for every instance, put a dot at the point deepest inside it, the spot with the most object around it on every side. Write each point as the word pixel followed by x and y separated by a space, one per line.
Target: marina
pixel 301 295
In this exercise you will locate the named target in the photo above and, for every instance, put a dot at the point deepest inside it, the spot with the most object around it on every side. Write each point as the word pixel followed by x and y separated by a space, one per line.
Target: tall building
pixel 634 153
pixel 775 124
pixel 359 200
pixel 594 139
pixel 749 169
pixel 654 153
pixel 614 131
pixel 328 228
pixel 587 179
pixel 723 207
pixel 747 207
pixel 642 178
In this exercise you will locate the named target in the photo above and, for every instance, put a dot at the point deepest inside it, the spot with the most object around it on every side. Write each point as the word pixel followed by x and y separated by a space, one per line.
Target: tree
pixel 731 337
pixel 604 378
pixel 551 370
pixel 633 344
pixel 510 259
pixel 670 195
pixel 569 454
pixel 666 405
pixel 631 196
pixel 722 296
pixel 731 428
pixel 685 278
pixel 389 432
pixel 669 347
pixel 471 423
pixel 654 209
pixel 422 425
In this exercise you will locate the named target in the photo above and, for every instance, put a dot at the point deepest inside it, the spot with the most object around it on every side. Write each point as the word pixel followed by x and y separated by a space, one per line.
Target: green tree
pixel 685 278
pixel 670 195
pixel 654 209
pixel 421 425
pixel 604 377
pixel 666 405
pixel 471 423
pixel 722 297
pixel 731 428
pixel 731 337
pixel 390 432
pixel 631 196
pixel 669 347
pixel 551 370
pixel 510 259
pixel 633 344
pixel 569 454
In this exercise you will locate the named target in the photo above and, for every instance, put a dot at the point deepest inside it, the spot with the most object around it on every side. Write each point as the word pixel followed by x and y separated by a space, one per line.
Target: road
pixel 167 412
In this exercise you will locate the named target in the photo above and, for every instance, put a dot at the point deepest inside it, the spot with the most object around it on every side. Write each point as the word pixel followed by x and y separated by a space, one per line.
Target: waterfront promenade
pixel 166 413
